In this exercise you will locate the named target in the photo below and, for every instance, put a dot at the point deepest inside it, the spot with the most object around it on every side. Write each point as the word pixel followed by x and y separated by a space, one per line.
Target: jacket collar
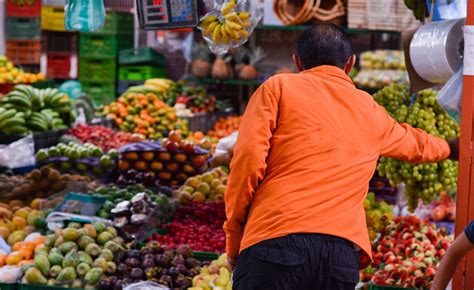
pixel 329 70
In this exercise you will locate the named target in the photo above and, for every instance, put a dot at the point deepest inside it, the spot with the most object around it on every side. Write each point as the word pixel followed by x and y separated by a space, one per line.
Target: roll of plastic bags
pixel 84 15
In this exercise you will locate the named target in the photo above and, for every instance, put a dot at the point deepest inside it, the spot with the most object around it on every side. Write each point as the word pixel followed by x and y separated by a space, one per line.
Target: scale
pixel 168 14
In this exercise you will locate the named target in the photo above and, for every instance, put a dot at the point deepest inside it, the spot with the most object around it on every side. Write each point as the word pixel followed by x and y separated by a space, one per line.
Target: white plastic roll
pixel 436 50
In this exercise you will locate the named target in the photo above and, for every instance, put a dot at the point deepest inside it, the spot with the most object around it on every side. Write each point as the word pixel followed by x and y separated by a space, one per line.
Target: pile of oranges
pixel 9 74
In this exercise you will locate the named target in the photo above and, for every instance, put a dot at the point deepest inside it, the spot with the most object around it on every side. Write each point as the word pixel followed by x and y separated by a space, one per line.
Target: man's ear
pixel 297 62
pixel 350 64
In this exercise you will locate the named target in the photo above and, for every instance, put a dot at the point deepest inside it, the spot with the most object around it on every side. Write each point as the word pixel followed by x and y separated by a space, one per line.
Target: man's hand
pixel 454 147
pixel 231 262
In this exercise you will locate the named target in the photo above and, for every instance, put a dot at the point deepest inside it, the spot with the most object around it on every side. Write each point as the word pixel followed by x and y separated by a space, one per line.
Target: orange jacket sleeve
pixel 248 164
pixel 403 142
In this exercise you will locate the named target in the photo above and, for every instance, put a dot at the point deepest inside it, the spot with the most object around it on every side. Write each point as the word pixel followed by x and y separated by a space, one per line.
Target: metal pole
pixel 464 276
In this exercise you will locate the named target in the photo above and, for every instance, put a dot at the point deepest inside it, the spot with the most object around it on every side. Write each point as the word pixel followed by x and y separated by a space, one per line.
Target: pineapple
pixel 201 60
pixel 249 71
pixel 241 56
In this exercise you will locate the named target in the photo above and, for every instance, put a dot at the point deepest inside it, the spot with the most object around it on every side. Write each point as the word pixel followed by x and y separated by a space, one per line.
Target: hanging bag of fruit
pixel 230 23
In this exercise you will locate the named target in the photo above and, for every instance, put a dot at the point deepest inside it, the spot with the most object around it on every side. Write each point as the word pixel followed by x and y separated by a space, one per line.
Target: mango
pixel 43 264
pixel 34 276
pixel 92 232
pixel 67 274
pixel 68 247
pixel 55 258
pixel 82 269
pixel 93 276
pixel 16 236
pixel 107 255
pixel 104 237
pixel 84 241
pixel 50 239
pixel 71 234
pixel 71 259
pixel 93 250
pixel 55 270
pixel 99 227
pixel 85 258
pixel 100 263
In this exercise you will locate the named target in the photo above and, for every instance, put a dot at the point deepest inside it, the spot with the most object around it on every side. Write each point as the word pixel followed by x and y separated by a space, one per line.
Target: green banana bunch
pixel 12 122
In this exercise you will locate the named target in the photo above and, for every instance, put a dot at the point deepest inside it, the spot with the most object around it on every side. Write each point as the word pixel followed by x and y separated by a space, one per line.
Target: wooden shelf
pixel 303 27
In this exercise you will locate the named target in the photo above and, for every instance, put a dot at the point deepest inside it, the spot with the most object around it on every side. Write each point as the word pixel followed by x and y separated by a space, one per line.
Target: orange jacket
pixel 307 147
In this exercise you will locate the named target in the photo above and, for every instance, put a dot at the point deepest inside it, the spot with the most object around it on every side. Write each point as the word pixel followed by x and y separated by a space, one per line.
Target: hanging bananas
pixel 229 27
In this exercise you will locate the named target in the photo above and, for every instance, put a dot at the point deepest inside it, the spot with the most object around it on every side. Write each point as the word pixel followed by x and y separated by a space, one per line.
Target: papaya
pixel 50 239
pixel 82 269
pixel 55 270
pixel 74 225
pixel 104 237
pixel 107 255
pixel 34 276
pixel 99 227
pixel 100 263
pixel 93 250
pixel 41 249
pixel 112 246
pixel 55 257
pixel 85 258
pixel 84 241
pixel 92 232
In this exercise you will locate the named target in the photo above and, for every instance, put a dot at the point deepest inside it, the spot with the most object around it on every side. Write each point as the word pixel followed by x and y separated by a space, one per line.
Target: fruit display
pixel 377 214
pixel 383 59
pixel 379 78
pixel 23 247
pixel 83 158
pixel 19 219
pixel 216 275
pixel 225 127
pixel 194 98
pixel 9 74
pixel 76 256
pixel 26 109
pixel 154 262
pixel 209 186
pixel 42 183
pixel 171 161
pixel 423 181
pixel 407 253
pixel 198 225
pixel 161 85
pixel 103 137
pixel 144 114
pixel 443 209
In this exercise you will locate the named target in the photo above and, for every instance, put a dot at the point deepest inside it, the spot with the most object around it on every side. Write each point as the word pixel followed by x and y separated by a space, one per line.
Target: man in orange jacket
pixel 308 145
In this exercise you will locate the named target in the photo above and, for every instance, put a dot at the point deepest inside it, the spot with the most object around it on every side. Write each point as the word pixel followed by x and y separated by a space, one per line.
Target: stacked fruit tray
pixel 169 161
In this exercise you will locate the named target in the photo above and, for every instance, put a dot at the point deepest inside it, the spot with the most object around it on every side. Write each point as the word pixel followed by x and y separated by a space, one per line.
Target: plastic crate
pixel 103 45
pixel 27 10
pixel 97 69
pixel 52 18
pixel 61 65
pixel 378 287
pixel 23 28
pixel 24 51
pixel 56 41
pixel 124 85
pixel 8 286
pixel 42 139
pixel 141 56
pixel 137 73
pixel 102 93
pixel 57 3
pixel 117 23
pixel 6 88
pixel 22 286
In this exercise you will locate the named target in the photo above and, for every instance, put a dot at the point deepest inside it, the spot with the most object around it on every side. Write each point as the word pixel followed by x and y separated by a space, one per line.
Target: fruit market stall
pixel 124 170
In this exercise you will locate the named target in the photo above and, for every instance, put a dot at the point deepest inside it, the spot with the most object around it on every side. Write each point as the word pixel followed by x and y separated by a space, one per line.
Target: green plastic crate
pixel 103 45
pixel 138 73
pixel 141 56
pixel 97 69
pixel 8 286
pixel 102 93
pixel 116 23
pixel 22 286
pixel 22 28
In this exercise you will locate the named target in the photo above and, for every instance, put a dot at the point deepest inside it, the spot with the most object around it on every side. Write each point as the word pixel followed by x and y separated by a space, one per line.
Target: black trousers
pixel 298 262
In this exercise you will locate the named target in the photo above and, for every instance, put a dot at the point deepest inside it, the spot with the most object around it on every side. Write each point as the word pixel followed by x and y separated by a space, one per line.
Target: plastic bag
pixel 9 156
pixel 4 247
pixel 450 96
pixel 447 9
pixel 230 23
pixel 84 15
pixel 225 150
pixel 145 286
pixel 10 274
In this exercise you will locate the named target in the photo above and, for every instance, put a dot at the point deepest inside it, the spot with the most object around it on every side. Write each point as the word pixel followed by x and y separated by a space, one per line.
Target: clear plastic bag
pixel 145 286
pixel 225 150
pixel 450 96
pixel 230 23
pixel 10 274
pixel 9 156
pixel 84 15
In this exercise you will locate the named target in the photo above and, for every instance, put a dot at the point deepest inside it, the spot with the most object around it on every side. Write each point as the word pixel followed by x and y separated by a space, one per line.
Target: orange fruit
pixel 20 223
pixel 14 258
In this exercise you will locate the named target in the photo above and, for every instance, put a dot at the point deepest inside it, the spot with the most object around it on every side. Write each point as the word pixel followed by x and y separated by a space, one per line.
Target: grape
pixel 377 214
pixel 423 181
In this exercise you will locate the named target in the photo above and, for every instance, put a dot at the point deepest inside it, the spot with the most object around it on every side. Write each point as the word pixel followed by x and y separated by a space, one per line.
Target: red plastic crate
pixel 60 65
pixel 14 9
pixel 24 51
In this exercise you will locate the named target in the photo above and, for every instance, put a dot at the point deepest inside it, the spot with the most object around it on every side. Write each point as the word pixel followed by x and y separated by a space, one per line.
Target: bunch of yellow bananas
pixel 230 26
